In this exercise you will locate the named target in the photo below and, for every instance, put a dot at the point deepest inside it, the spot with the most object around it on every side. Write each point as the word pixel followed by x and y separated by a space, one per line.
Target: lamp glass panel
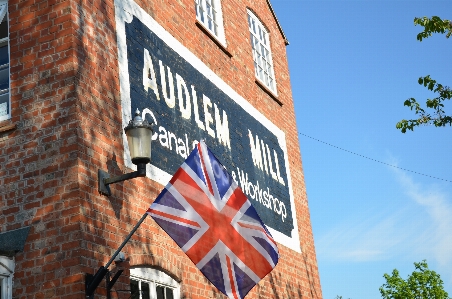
pixel 139 142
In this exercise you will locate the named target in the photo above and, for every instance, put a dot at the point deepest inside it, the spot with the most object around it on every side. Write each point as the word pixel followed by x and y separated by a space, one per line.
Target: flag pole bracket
pixel 93 281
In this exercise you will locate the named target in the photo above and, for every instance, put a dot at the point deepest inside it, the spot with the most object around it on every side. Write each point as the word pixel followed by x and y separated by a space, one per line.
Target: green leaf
pixel 438 117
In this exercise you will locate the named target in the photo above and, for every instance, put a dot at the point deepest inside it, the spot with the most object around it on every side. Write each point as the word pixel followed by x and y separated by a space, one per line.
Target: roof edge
pixel 286 41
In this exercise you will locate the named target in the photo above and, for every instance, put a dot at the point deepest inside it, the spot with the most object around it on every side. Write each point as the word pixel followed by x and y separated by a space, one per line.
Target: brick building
pixel 71 74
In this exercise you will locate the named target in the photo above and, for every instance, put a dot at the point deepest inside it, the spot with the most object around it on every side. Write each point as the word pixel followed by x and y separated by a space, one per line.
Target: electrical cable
pixel 374 160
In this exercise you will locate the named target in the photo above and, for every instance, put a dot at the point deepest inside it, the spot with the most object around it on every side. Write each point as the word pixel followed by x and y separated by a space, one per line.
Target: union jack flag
pixel 214 223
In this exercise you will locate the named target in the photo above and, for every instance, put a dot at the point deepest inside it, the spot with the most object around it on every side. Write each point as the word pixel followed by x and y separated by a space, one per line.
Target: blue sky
pixel 353 64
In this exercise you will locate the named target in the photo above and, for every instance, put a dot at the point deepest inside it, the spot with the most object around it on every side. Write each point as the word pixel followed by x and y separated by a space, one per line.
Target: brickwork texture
pixel 66 108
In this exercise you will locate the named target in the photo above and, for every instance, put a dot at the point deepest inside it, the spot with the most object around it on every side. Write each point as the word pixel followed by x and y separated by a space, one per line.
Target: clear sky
pixel 353 64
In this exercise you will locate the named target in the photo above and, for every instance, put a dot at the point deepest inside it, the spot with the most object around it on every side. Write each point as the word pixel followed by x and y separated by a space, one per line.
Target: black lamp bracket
pixel 104 179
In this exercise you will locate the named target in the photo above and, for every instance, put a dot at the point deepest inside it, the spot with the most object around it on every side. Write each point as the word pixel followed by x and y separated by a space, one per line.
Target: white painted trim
pixel 125 10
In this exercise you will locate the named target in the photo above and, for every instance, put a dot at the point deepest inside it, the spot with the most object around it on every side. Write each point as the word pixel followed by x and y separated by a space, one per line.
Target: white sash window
pixel 149 283
pixel 262 56
pixel 5 103
pixel 208 13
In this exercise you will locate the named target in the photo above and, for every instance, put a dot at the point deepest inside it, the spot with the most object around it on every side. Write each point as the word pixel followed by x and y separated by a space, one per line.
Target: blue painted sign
pixel 186 102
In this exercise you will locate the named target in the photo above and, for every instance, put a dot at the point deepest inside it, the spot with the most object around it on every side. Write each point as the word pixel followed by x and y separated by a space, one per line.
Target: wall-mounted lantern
pixel 139 136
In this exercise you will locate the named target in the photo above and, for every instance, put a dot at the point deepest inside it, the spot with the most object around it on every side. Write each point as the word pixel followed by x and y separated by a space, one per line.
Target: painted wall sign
pixel 187 102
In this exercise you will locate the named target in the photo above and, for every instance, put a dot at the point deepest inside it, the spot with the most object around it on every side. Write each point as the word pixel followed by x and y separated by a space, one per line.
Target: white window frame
pixel 4 13
pixel 263 62
pixel 155 277
pixel 216 16
pixel 6 277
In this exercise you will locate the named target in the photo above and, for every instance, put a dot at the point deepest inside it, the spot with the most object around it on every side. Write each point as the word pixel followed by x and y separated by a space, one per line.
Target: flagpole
pixel 100 274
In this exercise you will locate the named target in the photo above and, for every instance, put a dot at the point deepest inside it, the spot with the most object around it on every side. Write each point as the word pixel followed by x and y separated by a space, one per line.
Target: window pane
pixel 145 291
pixel 4 27
pixel 160 292
pixel 197 9
pixel 4 78
pixel 209 24
pixel 4 54
pixel 169 293
pixel 134 289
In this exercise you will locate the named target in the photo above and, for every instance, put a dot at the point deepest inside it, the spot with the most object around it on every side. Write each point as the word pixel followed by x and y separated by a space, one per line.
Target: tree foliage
pixel 421 284
pixel 433 25
pixel 438 117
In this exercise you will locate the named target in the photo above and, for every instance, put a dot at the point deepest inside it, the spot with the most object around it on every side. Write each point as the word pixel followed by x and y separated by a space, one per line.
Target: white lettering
pixel 270 164
pixel 284 215
pixel 278 173
pixel 214 121
pixel 222 127
pixel 187 150
pixel 195 109
pixel 172 136
pixel 181 149
pixel 261 196
pixel 207 103
pixel 185 110
pixel 234 177
pixel 163 137
pixel 255 151
pixel 171 100
pixel 148 69
pixel 275 204
pixel 264 156
pixel 243 179
pixel 194 144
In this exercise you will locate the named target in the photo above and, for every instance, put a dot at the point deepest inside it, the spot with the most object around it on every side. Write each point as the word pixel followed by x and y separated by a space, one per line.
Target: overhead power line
pixel 374 160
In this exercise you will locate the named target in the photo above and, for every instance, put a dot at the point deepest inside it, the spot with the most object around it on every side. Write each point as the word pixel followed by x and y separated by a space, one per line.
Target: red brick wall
pixel 67 111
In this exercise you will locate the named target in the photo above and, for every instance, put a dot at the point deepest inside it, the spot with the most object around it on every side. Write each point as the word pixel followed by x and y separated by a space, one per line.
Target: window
pixel 260 42
pixel 208 13
pixel 6 277
pixel 5 105
pixel 149 283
